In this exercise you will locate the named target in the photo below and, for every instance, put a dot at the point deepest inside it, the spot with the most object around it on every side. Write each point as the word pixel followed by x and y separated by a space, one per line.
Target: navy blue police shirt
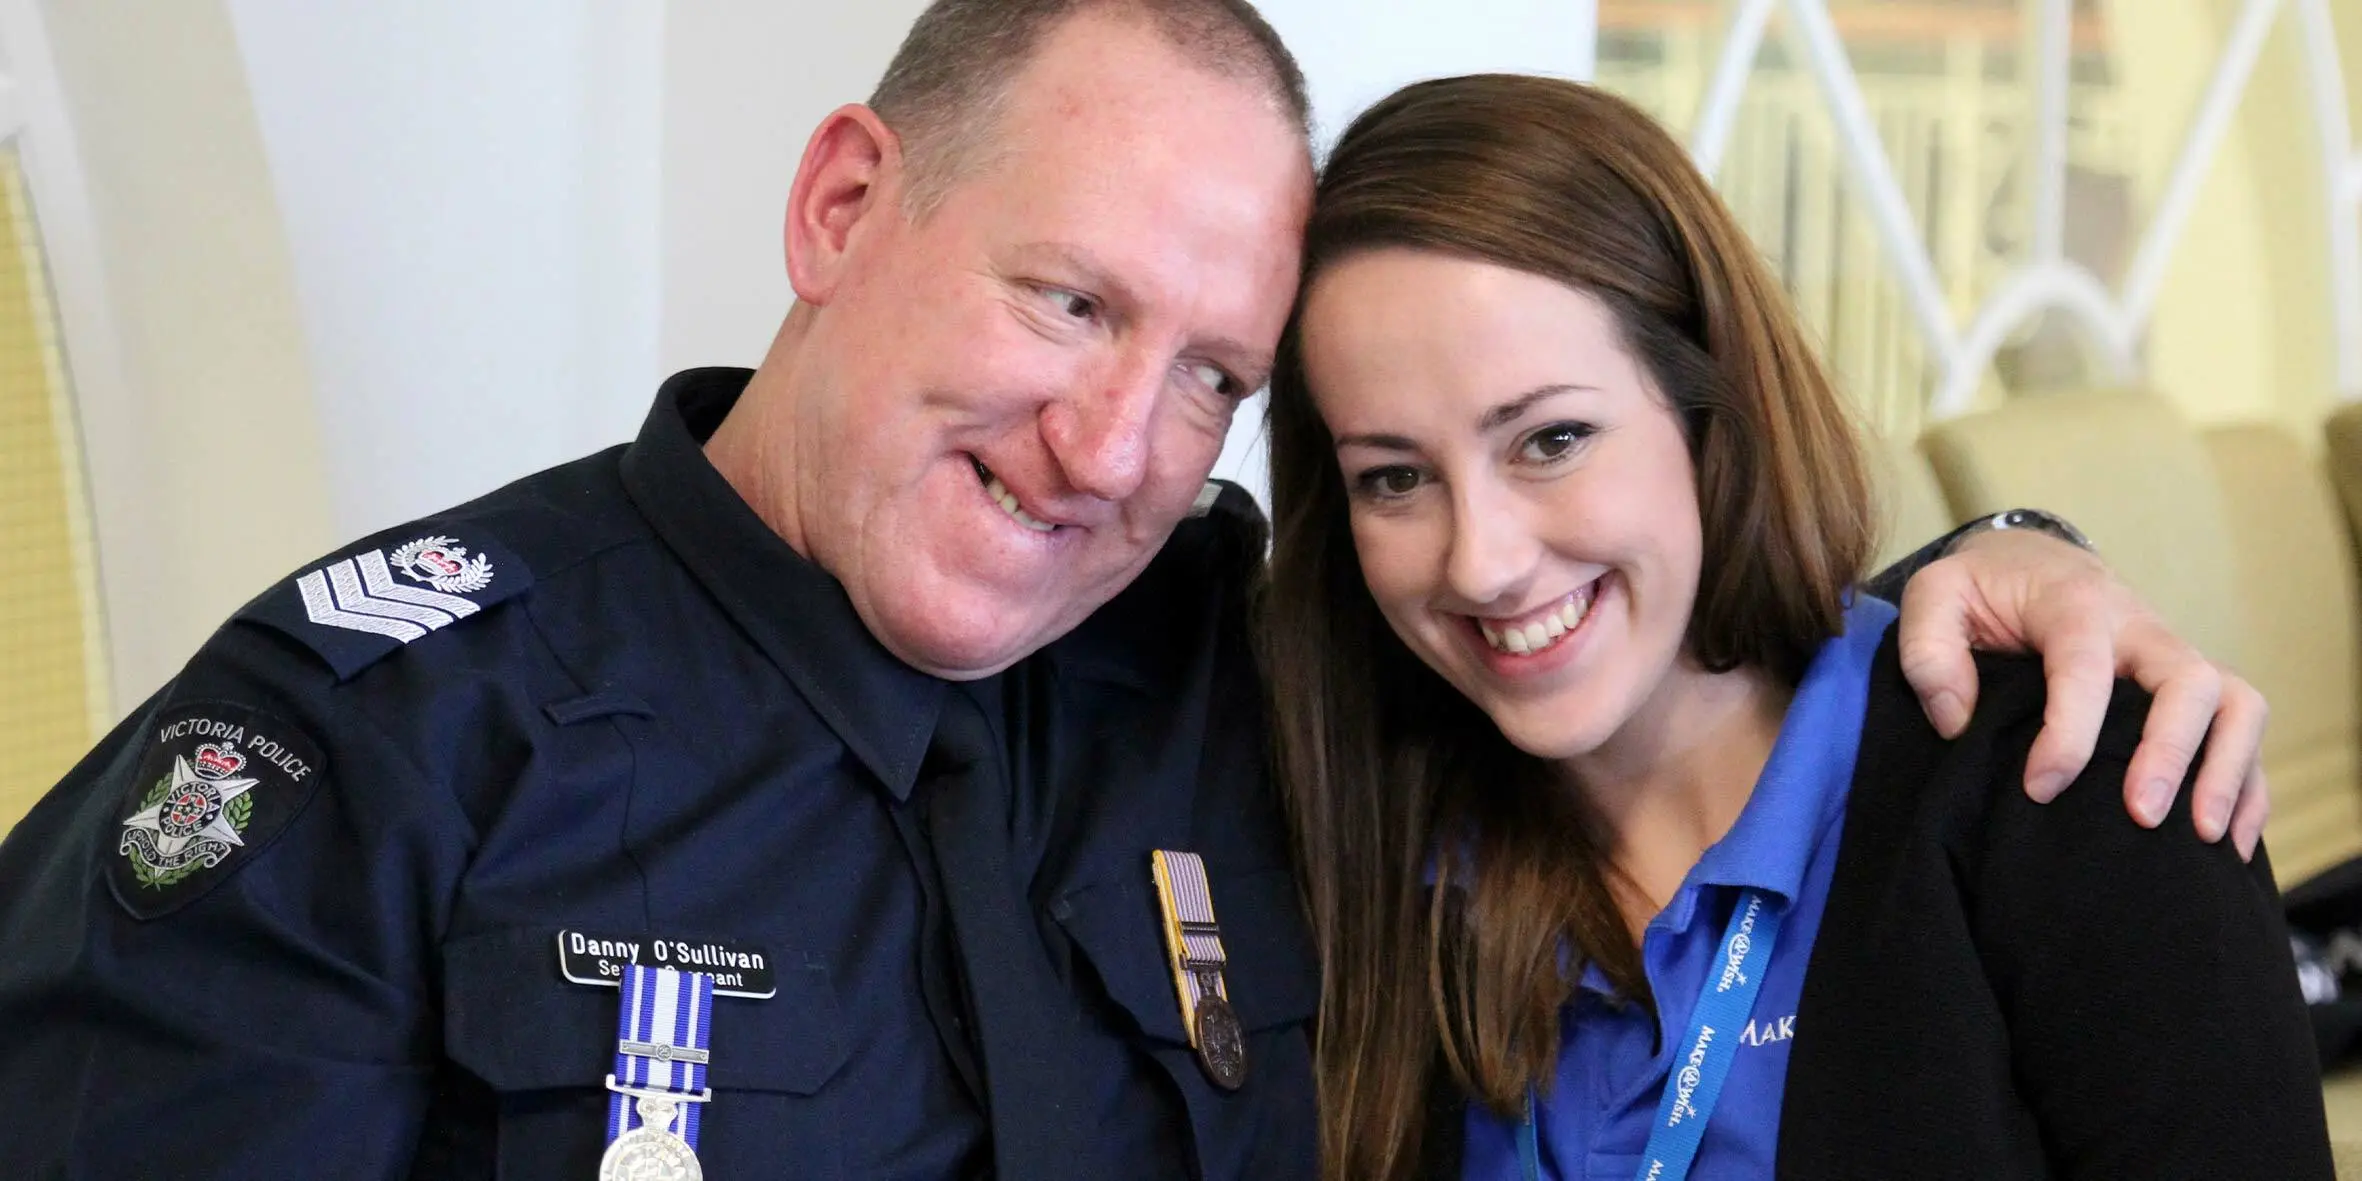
pixel 301 913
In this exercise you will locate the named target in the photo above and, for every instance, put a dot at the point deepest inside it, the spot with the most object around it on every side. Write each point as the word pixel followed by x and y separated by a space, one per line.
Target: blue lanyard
pixel 1695 1083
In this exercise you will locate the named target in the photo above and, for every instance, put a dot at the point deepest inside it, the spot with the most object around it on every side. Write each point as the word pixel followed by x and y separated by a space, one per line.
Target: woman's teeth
pixel 1540 634
pixel 1000 494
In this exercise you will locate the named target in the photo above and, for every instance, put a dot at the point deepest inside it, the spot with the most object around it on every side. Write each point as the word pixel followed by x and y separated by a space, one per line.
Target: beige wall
pixel 2242 327
pixel 735 124
pixel 208 481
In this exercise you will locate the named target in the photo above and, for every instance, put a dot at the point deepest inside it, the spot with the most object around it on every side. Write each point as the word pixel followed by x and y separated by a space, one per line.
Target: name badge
pixel 737 969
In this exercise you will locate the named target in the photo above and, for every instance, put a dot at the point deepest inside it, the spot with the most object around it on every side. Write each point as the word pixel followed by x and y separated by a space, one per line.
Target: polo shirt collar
pixel 1801 792
pixel 796 613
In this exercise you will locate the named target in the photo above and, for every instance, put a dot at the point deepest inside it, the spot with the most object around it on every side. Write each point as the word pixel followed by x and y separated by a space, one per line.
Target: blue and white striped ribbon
pixel 661 1032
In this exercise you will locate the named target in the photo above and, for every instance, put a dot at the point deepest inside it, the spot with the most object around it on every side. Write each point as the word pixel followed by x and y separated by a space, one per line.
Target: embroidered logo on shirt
pixel 218 782
pixel 1768 1030
pixel 359 593
pixel 190 819
pixel 444 564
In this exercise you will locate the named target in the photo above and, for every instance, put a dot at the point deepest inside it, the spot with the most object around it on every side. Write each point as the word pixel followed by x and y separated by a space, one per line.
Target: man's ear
pixel 850 170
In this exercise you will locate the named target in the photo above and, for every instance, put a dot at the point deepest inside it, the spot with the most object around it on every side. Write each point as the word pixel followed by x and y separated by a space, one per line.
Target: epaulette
pixel 1239 518
pixel 390 590
pixel 1152 629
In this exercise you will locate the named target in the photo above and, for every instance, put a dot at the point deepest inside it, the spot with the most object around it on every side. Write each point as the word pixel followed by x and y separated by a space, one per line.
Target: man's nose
pixel 1492 547
pixel 1100 435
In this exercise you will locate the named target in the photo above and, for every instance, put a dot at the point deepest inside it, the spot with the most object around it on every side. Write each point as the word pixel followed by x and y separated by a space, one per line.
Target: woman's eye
pixel 1073 303
pixel 1388 483
pixel 1553 442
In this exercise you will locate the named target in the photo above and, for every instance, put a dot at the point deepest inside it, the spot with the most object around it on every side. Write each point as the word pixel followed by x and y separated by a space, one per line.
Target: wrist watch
pixel 2022 518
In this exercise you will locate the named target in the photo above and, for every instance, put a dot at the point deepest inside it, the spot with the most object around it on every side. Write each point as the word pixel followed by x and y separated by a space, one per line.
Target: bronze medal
pixel 1221 1043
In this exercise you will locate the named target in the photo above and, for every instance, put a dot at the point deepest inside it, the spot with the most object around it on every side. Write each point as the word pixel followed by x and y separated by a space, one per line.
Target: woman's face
pixel 1523 499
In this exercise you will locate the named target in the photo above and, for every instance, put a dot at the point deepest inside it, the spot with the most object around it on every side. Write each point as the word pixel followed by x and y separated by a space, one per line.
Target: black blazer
pixel 2001 989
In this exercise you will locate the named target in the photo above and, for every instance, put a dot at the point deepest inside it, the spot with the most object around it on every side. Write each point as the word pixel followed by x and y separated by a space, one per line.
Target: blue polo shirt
pixel 1613 1060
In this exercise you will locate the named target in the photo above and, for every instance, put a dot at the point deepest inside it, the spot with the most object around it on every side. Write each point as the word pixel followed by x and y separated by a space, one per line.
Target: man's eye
pixel 1073 303
pixel 1214 378
pixel 1390 483
pixel 1555 441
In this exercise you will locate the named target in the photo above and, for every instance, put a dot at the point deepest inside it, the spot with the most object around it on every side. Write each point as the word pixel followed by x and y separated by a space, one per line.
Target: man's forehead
pixel 1124 211
pixel 1108 77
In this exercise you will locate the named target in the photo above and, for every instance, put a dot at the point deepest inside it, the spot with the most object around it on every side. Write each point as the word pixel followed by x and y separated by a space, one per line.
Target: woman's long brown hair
pixel 1394 780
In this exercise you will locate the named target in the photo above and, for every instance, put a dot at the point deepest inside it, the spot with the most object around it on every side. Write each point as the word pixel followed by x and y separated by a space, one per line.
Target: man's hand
pixel 2017 591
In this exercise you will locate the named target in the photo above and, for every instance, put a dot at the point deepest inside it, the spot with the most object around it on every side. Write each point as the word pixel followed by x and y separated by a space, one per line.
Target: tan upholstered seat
pixel 1911 510
pixel 2342 1091
pixel 2345 459
pixel 2233 534
pixel 2131 473
pixel 2296 585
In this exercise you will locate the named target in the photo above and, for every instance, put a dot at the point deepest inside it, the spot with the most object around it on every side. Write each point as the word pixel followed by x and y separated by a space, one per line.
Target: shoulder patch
pixel 355 609
pixel 218 783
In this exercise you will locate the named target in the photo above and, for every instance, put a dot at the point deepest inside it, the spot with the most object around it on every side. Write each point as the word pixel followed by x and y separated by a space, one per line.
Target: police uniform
pixel 307 911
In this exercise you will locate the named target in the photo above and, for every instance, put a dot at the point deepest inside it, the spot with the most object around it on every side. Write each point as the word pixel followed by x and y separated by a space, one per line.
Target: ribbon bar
pixel 661 1038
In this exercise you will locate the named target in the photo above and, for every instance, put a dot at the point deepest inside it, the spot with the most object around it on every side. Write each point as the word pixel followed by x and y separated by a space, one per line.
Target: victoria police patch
pixel 218 781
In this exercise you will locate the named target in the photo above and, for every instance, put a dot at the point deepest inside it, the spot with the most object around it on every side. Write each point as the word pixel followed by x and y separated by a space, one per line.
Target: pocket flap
pixel 1269 972
pixel 513 1019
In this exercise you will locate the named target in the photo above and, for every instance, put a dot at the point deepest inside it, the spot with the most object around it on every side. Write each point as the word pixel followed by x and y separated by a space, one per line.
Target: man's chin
pixel 962 654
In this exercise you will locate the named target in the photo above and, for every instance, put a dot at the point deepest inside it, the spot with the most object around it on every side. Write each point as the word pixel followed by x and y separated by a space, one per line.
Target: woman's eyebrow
pixel 1515 408
pixel 1491 420
pixel 1378 442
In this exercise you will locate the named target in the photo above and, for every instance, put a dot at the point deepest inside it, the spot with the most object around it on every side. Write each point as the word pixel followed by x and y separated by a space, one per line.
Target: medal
pixel 1194 941
pixel 652 1151
pixel 1221 1043
pixel 661 1030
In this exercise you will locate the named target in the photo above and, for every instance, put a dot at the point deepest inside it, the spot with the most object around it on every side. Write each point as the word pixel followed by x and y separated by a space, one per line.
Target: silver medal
pixel 651 1152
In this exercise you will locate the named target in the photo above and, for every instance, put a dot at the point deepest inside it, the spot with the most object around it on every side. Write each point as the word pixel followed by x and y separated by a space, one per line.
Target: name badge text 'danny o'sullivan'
pixel 738 970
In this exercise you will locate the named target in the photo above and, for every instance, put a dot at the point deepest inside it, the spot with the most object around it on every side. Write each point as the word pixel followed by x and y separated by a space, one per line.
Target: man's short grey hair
pixel 944 93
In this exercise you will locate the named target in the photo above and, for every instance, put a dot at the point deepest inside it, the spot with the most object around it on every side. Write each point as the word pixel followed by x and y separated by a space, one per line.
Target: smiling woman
pixel 1594 746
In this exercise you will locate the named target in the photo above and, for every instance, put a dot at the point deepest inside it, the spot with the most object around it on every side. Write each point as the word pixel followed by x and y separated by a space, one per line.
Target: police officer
pixel 857 775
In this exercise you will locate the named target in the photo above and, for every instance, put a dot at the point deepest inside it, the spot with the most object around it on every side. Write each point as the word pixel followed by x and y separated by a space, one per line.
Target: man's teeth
pixel 1543 633
pixel 999 492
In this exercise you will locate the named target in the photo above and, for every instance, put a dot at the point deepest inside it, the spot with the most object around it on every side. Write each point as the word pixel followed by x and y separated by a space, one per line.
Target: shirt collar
pixel 797 613
pixel 1802 790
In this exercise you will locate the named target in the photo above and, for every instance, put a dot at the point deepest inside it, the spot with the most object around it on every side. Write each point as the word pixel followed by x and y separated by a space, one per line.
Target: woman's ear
pixel 851 169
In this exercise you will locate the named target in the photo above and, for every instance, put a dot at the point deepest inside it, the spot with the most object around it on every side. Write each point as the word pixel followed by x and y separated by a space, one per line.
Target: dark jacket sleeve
pixel 2144 977
pixel 270 1015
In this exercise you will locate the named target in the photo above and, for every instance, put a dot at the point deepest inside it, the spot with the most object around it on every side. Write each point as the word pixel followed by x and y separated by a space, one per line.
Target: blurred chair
pixel 2234 534
pixel 2345 459
pixel 1911 506
pixel 2127 470
pixel 2298 599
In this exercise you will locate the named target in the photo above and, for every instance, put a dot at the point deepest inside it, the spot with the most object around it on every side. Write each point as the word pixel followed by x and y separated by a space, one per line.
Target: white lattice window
pixel 1945 185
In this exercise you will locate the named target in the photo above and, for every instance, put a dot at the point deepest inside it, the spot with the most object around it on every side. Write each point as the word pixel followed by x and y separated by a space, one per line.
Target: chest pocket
pixel 545 1045
pixel 1266 1128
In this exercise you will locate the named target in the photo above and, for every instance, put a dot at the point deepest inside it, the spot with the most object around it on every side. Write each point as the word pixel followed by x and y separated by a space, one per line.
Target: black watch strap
pixel 1888 583
pixel 2033 519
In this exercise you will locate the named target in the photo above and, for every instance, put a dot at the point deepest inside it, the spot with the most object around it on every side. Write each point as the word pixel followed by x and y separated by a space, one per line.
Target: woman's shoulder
pixel 1907 771
pixel 2011 697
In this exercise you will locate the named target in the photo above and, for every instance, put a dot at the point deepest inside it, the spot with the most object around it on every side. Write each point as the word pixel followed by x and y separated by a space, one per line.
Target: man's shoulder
pixel 1216 554
pixel 1192 600
pixel 366 601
